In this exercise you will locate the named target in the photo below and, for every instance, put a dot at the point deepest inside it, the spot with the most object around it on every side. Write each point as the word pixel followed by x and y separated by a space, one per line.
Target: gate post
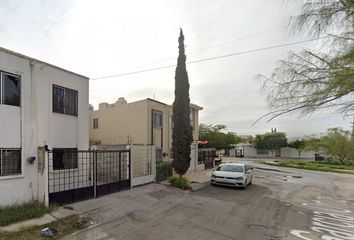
pixel 95 173
pixel 46 173
pixel 130 169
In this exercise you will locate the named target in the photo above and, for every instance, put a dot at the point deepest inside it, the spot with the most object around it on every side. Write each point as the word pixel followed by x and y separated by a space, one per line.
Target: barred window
pixel 65 100
pixel 64 158
pixel 10 162
pixel 10 89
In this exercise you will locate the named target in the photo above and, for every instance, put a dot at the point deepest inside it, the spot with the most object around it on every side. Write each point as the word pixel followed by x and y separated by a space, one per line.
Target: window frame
pixel 62 151
pixel 95 123
pixel 69 96
pixel 192 119
pixel 2 88
pixel 154 123
pixel 19 162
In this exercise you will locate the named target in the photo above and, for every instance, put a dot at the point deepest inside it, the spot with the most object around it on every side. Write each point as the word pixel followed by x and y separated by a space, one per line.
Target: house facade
pixel 40 105
pixel 144 122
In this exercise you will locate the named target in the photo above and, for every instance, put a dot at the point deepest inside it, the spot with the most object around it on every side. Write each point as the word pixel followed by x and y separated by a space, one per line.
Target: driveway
pixel 290 204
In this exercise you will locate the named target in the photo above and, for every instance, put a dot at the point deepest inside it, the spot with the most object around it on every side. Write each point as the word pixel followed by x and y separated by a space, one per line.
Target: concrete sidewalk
pixel 123 202
pixel 199 179
pixel 106 207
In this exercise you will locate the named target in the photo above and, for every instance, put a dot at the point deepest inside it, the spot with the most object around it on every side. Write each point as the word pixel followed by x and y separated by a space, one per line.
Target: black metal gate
pixel 206 156
pixel 78 175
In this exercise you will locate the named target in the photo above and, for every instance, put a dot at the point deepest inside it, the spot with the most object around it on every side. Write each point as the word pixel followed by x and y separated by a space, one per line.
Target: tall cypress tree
pixel 182 131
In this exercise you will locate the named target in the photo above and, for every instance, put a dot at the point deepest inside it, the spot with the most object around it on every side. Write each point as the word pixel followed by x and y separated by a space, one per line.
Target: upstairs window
pixel 65 100
pixel 157 119
pixel 10 89
pixel 95 123
pixel 10 162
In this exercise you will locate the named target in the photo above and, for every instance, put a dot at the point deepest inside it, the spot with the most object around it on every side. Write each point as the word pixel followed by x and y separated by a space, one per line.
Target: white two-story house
pixel 40 105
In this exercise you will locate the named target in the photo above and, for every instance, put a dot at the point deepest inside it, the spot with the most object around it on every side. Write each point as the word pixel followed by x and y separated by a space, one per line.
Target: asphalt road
pixel 280 204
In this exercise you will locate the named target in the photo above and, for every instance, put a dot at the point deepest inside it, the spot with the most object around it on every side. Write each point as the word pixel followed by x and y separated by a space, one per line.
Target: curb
pixel 197 186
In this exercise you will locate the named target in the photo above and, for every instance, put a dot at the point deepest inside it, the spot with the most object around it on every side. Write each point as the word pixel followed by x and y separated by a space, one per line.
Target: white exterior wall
pixel 288 152
pixel 34 124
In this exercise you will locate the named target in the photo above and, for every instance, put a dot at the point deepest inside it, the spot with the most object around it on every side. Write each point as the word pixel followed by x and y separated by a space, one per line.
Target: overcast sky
pixel 104 38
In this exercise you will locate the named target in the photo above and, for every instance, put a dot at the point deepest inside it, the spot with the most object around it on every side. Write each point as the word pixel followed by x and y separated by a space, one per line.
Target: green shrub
pixel 179 182
pixel 20 212
pixel 163 171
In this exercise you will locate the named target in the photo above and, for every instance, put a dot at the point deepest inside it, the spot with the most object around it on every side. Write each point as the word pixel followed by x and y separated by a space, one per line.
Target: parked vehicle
pixel 232 174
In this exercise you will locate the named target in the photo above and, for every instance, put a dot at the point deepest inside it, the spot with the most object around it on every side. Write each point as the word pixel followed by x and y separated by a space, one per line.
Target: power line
pixel 213 46
pixel 211 58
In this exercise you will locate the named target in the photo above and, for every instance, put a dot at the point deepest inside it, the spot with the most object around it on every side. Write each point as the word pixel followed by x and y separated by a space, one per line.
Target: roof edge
pixel 39 61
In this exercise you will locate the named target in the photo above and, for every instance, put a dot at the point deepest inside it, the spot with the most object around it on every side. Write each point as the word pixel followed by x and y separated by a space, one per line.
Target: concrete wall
pixel 286 152
pixel 33 124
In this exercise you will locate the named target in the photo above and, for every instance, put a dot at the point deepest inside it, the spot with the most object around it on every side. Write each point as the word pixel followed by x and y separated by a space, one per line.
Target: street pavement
pixel 282 203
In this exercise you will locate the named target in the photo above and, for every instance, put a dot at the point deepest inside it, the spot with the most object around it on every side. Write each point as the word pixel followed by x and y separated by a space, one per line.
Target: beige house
pixel 144 122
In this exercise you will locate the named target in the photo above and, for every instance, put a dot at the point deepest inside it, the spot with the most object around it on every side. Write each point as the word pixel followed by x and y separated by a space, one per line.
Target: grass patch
pixel 179 182
pixel 324 166
pixel 19 212
pixel 63 226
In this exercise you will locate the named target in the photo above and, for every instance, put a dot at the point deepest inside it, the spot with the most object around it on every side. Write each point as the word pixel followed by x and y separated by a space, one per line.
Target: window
pixel 10 89
pixel 95 123
pixel 65 100
pixel 192 118
pixel 230 168
pixel 10 162
pixel 157 119
pixel 64 158
pixel 171 121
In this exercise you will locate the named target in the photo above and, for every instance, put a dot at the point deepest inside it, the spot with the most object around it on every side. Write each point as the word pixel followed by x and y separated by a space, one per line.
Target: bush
pixel 163 171
pixel 179 182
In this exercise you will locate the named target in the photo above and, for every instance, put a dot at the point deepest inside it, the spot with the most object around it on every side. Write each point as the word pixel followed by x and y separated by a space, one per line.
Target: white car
pixel 232 174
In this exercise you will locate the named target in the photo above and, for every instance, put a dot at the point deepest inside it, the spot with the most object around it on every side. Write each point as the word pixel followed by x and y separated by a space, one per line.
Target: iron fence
pixel 75 175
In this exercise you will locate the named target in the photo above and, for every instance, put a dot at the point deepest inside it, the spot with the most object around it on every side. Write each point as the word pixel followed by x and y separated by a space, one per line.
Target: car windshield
pixel 230 168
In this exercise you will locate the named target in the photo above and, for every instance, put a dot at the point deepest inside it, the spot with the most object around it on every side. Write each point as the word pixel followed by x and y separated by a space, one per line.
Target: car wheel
pixel 245 185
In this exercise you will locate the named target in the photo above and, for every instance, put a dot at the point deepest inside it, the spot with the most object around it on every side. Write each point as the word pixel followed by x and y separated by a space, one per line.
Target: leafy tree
pixel 272 141
pixel 182 132
pixel 340 145
pixel 297 144
pixel 217 136
pixel 311 81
